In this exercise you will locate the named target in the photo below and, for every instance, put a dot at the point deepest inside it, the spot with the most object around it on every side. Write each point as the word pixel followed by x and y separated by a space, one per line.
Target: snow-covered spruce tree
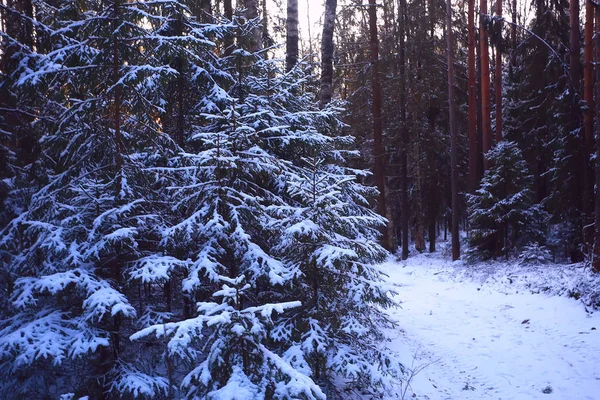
pixel 101 209
pixel 238 190
pixel 502 215
pixel 330 236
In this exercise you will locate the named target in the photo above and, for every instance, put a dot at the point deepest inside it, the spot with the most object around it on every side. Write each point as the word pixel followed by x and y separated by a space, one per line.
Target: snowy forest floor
pixel 495 331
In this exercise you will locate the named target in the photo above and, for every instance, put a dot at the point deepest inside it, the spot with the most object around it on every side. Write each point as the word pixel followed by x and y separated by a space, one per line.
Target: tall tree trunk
pixel 583 167
pixel 596 258
pixel 255 36
pixel 574 42
pixel 588 75
pixel 291 31
pixel 405 212
pixel 472 100
pixel 228 39
pixel 486 125
pixel 513 37
pixel 378 151
pixel 433 201
pixel 202 9
pixel 327 52
pixel 16 24
pixel 498 74
pixel 588 96
pixel 453 141
pixel 310 41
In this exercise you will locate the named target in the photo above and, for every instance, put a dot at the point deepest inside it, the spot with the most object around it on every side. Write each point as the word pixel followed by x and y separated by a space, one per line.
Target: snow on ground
pixel 478 336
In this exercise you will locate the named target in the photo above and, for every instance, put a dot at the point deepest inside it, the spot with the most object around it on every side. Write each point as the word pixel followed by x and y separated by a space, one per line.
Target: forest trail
pixel 481 341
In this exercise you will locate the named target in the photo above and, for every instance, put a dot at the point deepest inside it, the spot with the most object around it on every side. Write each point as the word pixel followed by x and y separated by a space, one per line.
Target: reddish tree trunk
pixel 472 99
pixel 378 152
pixel 596 258
pixel 486 125
pixel 498 75
pixel 453 141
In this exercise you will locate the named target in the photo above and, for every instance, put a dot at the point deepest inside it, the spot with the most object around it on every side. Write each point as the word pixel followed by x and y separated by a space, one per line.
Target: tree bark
pixel 228 39
pixel 453 140
pixel 486 125
pixel 255 37
pixel 472 100
pixel 202 9
pixel 574 42
pixel 596 252
pixel 405 212
pixel 291 39
pixel 588 75
pixel 498 74
pixel 327 52
pixel 378 151
pixel 513 34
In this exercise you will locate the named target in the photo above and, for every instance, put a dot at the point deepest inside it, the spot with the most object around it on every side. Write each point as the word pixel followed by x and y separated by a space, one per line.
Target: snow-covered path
pixel 481 342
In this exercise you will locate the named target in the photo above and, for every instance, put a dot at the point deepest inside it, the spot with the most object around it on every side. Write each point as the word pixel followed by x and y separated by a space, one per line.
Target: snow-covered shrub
pixel 534 254
pixel 501 213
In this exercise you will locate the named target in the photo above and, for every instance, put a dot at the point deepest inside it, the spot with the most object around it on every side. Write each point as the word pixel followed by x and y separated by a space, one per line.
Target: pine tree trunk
pixel 378 151
pixel 291 39
pixel 498 74
pixel 405 211
pixel 486 125
pixel 327 52
pixel 513 34
pixel 574 42
pixel 228 39
pixel 433 203
pixel 472 100
pixel 596 258
pixel 453 140
pixel 117 99
pixel 588 75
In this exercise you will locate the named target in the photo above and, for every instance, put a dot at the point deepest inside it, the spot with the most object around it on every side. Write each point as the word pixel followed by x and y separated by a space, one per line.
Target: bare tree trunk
pixel 405 214
pixel 117 100
pixel 574 42
pixel 588 75
pixel 327 52
pixel 16 24
pixel 486 124
pixel 472 100
pixel 228 40
pixel 596 257
pixel 378 151
pixel 498 74
pixel 513 34
pixel 310 41
pixel 202 9
pixel 255 37
pixel 453 141
pixel 291 39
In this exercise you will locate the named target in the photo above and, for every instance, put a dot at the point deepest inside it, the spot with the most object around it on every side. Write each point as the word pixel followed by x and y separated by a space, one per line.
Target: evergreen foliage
pixel 502 214
pixel 193 231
